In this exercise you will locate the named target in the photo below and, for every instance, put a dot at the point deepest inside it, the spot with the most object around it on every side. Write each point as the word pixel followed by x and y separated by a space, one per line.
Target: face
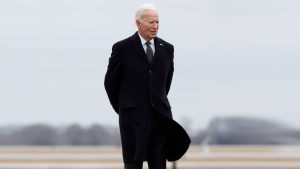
pixel 148 25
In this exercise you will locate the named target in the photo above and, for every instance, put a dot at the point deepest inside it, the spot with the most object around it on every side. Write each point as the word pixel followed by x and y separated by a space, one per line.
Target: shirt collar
pixel 144 41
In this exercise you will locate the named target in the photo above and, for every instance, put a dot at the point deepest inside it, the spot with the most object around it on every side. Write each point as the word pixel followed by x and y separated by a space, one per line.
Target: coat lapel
pixel 136 43
pixel 158 48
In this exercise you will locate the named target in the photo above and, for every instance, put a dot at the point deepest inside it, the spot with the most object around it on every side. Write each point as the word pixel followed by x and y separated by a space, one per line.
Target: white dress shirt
pixel 145 46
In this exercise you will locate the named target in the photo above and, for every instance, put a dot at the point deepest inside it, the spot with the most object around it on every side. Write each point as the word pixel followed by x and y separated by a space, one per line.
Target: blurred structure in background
pixel 241 130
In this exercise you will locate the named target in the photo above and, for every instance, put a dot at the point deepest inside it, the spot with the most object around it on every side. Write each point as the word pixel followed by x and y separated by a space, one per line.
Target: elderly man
pixel 137 83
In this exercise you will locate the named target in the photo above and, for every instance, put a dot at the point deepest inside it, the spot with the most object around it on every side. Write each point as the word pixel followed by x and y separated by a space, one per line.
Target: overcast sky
pixel 232 58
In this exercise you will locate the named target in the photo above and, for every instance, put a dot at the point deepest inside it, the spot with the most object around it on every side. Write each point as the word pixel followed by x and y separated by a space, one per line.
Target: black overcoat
pixel 136 89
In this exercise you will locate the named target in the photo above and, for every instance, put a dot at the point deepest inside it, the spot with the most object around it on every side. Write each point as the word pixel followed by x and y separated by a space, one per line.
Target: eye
pixel 152 22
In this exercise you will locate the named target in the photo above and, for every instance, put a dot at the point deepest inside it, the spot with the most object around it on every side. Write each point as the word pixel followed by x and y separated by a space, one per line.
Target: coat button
pixel 150 71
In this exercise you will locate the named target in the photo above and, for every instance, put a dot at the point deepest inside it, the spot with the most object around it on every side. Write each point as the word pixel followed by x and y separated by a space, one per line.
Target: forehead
pixel 150 14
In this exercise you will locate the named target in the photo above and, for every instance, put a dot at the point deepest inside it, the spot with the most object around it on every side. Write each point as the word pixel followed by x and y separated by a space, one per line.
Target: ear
pixel 137 22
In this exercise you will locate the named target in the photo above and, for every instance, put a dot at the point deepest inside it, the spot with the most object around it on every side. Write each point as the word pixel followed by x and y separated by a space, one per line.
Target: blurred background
pixel 236 81
pixel 234 60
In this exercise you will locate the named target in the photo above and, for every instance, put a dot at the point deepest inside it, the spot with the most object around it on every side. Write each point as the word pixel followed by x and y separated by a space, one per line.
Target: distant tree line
pixel 229 130
pixel 42 134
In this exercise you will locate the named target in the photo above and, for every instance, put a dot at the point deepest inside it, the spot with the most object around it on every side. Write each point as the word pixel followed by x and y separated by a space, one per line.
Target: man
pixel 137 82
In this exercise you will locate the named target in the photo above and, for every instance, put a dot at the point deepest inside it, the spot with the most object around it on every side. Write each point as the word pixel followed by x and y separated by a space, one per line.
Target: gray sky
pixel 233 57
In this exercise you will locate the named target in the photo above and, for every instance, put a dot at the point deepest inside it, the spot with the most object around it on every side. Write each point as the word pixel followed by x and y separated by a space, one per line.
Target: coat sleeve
pixel 170 74
pixel 112 77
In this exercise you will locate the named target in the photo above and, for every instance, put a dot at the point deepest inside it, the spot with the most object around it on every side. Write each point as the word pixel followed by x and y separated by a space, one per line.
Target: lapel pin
pixel 160 44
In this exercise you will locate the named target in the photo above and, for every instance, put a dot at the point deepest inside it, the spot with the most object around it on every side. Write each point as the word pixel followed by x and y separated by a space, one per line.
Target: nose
pixel 155 25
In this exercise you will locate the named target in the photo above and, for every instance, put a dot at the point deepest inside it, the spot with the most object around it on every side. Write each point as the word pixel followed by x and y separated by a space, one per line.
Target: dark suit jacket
pixel 135 88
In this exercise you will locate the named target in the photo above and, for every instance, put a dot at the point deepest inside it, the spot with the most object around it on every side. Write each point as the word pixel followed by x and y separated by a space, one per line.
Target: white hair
pixel 141 10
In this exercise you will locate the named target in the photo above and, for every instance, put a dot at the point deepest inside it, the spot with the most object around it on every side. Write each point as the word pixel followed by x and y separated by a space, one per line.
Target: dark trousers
pixel 157 153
